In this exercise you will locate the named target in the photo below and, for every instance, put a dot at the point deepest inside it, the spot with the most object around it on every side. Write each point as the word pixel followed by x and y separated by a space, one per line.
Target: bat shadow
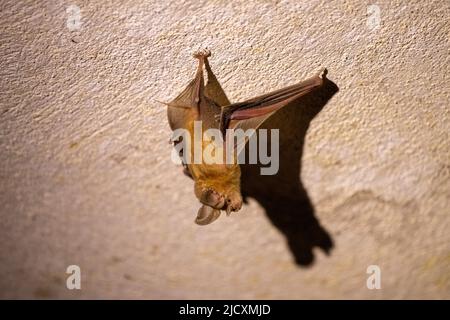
pixel 283 195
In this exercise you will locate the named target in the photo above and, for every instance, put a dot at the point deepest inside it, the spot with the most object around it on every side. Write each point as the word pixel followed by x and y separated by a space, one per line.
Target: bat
pixel 217 185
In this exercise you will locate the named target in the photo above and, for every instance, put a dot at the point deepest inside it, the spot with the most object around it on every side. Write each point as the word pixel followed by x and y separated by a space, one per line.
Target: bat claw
pixel 323 73
pixel 205 53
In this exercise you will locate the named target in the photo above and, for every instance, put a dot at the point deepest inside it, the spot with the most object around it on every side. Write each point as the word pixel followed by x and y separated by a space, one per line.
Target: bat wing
pixel 197 101
pixel 185 106
pixel 213 89
pixel 212 99
pixel 252 113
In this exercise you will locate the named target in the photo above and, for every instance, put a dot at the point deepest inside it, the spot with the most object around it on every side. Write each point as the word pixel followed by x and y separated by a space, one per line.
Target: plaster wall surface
pixel 86 176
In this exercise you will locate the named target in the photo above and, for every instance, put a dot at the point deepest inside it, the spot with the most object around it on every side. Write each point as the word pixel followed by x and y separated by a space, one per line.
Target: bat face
pixel 217 185
pixel 216 195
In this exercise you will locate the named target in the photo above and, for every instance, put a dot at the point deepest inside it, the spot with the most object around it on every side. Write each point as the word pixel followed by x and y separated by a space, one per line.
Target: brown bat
pixel 217 185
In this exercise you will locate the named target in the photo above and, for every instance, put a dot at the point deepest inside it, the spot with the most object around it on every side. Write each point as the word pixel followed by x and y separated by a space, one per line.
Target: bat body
pixel 217 185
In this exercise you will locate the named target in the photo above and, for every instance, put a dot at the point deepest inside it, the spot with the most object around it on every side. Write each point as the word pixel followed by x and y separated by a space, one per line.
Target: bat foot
pixel 205 53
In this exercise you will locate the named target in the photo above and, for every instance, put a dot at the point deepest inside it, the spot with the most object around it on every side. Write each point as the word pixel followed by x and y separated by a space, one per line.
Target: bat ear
pixel 206 215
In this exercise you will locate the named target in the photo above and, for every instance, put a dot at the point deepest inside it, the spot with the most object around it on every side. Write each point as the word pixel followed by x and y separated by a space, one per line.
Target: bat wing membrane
pixel 252 113
pixel 198 101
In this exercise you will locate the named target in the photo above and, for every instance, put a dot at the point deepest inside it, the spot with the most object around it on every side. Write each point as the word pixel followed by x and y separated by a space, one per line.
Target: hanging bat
pixel 217 185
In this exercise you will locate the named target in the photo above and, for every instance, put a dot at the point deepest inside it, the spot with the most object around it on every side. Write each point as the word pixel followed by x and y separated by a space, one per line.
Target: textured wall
pixel 86 177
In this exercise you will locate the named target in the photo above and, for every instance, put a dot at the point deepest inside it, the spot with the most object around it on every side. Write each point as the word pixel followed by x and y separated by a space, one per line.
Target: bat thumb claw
pixel 323 73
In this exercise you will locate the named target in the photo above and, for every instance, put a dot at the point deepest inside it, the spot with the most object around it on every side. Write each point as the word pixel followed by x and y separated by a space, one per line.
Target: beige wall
pixel 86 177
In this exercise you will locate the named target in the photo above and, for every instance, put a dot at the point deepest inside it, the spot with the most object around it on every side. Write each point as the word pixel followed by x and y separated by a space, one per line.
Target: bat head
pixel 231 201
pixel 214 202
pixel 217 187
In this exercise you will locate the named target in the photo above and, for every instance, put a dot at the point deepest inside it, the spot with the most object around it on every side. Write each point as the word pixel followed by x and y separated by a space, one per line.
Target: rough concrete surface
pixel 86 176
